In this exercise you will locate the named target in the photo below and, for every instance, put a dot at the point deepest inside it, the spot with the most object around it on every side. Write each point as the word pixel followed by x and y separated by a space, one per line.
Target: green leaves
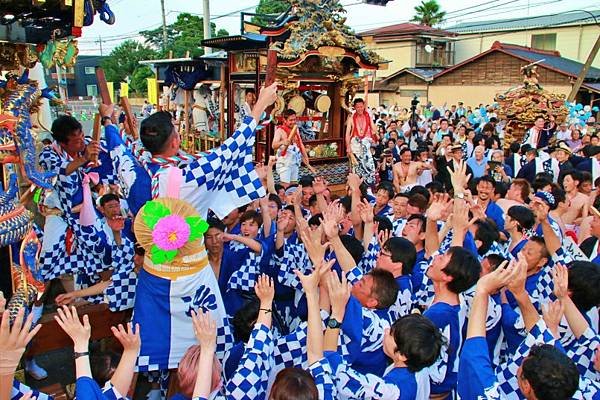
pixel 123 62
pixel 153 212
pixel 198 227
pixel 159 256
pixel 428 13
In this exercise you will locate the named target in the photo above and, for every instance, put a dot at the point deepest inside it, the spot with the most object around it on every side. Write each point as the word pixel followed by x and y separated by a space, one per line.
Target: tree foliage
pixel 185 34
pixel 138 81
pixel 429 13
pixel 269 7
pixel 123 63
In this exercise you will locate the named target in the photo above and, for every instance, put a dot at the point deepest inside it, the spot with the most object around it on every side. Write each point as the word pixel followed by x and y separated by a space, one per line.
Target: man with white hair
pixel 477 162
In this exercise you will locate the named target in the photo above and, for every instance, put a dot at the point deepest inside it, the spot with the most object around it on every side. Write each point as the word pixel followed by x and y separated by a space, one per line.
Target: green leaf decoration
pixel 198 227
pixel 37 195
pixel 153 212
pixel 162 256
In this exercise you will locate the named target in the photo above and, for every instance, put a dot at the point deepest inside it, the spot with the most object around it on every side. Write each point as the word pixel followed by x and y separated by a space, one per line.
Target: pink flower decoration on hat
pixel 171 233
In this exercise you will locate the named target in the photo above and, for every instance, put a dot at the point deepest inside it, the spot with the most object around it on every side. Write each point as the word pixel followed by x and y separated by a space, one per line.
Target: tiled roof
pixel 552 20
pixel 387 84
pixel 406 29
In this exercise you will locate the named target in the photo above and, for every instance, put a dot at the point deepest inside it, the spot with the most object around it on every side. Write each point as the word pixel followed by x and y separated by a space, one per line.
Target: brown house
pixel 480 78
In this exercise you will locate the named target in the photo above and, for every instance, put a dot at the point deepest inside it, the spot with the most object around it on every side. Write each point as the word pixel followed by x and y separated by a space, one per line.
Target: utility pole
pixel 164 25
pixel 206 21
pixel 100 42
pixel 584 70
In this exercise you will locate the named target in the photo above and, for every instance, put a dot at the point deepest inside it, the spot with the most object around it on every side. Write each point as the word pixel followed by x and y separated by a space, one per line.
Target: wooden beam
pixel 584 70
pixel 52 337
pixel 129 118
pixel 102 86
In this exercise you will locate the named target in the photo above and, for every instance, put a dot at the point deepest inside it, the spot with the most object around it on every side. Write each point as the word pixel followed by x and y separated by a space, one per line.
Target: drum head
pixel 279 105
pixel 298 104
pixel 323 103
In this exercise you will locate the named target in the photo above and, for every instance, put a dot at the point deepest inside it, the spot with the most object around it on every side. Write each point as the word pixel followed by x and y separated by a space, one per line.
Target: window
pixel 546 41
pixel 411 93
pixel 92 90
pixel 90 70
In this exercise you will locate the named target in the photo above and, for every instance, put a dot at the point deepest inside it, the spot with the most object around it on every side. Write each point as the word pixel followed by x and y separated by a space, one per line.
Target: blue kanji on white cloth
pixel 163 306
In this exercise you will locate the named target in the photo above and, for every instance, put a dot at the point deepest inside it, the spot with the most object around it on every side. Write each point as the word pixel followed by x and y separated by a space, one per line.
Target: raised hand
pixel 365 209
pixel 282 221
pixel 14 339
pixel 517 284
pixel 2 302
pixel 460 217
pixel 540 208
pixel 552 314
pixel 319 185
pixel 205 329
pixel 312 243
pixel 310 282
pixel 339 293
pixel 459 177
pixel 65 298
pixel 354 181
pixel 441 203
pixel 296 199
pixel 331 219
pixel 78 332
pixel 497 279
pixel 265 290
pixel 560 276
pixel 382 237
pixel 272 162
pixel 129 339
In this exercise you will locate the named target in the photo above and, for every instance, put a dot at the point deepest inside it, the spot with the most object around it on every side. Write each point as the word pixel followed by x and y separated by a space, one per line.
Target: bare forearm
pixel 6 382
pixel 123 375
pixel 265 314
pixel 251 243
pixel 552 241
pixel 477 315
pixel 343 256
pixel 530 314
pixel 432 242
pixel 314 339
pixel 576 320
pixel 204 376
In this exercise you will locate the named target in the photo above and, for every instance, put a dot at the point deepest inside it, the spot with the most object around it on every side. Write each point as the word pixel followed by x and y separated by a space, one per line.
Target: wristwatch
pixel 459 196
pixel 334 323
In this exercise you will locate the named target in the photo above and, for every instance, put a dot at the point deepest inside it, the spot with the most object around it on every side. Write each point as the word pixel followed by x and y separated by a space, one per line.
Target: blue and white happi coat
pixel 220 181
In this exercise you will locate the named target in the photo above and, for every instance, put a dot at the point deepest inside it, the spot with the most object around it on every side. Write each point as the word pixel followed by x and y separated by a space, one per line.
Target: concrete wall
pixel 401 55
pixel 574 42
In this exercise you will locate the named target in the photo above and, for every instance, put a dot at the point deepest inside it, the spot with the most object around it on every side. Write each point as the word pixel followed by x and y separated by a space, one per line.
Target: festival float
pixel 33 35
pixel 191 89
pixel 316 58
pixel 522 104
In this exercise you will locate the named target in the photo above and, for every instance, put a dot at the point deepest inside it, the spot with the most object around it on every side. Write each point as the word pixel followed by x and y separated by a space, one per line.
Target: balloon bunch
pixel 579 114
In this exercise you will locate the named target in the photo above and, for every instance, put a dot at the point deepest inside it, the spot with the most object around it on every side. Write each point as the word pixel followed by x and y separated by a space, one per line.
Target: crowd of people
pixel 444 269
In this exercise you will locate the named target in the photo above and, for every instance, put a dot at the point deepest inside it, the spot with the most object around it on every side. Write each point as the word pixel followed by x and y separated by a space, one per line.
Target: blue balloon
pixel 579 107
pixel 595 109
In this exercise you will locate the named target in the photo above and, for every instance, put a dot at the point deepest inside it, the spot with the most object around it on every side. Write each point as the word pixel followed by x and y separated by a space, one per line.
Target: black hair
pixel 306 181
pixel 464 269
pixel 63 127
pixel 244 319
pixel 540 240
pixel 575 175
pixel 435 187
pixel 385 288
pixel 495 260
pixel 315 220
pixel 104 119
pixel 214 222
pixel 402 250
pixel 541 180
pixel 487 178
pixel 354 247
pixel 288 112
pixel 402 194
pixel 487 233
pixel 275 199
pixel 523 215
pixel 155 131
pixel 420 190
pixel 278 187
pixel 418 339
pixel 501 189
pixel 388 188
pixel 559 194
pixel 419 201
pixel 551 373
pixel 514 147
pixel 109 197
pixel 102 364
pixel 346 203
pixel 404 150
pixel 358 100
pixel 383 224
pixel 252 215
pixel 584 280
pixel 312 201
pixel 421 218
pixel 249 90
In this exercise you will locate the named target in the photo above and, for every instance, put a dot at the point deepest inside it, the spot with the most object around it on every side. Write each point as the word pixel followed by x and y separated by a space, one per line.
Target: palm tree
pixel 428 13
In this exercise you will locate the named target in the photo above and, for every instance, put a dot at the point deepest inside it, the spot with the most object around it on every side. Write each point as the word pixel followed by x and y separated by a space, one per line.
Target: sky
pixel 135 15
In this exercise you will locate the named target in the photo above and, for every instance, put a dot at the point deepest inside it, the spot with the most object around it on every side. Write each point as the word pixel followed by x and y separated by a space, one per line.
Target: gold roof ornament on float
pixel 522 104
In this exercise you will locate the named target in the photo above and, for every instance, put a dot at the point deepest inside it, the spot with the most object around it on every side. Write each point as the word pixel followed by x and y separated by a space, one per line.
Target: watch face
pixel 333 323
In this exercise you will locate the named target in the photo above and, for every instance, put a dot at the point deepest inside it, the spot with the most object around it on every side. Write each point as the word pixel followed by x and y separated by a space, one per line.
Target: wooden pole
pixel 271 73
pixel 129 117
pixel 96 134
pixel 584 70
pixel 102 86
pixel 186 121
pixel 222 91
